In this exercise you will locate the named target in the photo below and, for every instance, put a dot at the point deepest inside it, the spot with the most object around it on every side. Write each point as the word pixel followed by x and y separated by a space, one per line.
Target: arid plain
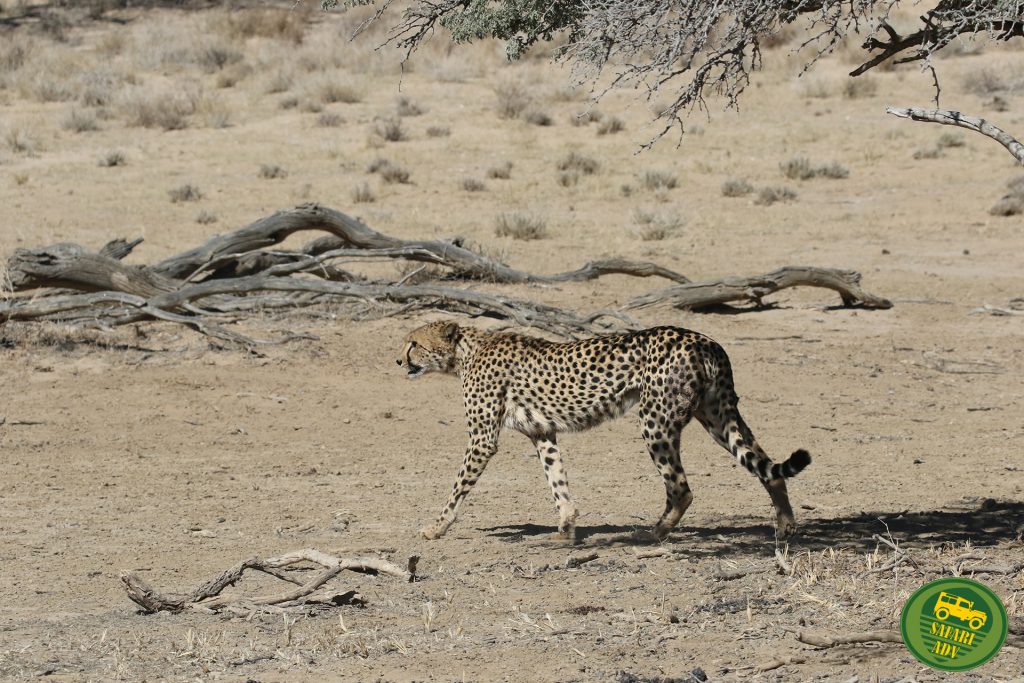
pixel 149 449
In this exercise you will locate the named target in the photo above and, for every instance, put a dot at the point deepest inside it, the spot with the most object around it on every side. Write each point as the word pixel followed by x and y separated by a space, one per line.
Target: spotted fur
pixel 541 388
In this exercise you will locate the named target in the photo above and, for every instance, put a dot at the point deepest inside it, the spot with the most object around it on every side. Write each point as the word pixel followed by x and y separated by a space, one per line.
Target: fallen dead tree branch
pixel 234 275
pixel 207 596
pixel 826 641
pixel 955 118
pixel 753 289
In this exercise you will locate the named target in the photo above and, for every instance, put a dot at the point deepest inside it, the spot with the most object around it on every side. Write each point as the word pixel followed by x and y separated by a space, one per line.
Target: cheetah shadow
pixel 983 523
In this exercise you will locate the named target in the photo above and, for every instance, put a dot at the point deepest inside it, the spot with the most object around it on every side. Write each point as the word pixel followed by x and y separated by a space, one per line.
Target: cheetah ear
pixel 450 331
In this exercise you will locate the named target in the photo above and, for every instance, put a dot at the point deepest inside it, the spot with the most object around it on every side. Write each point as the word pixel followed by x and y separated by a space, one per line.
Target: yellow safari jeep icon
pixel 953 605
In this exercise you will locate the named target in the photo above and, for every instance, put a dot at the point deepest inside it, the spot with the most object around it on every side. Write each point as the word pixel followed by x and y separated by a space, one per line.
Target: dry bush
pixel 947 140
pixel 520 226
pixel 659 180
pixel 272 172
pixel 233 75
pixel 859 87
pixel 278 81
pixel 438 131
pixel 389 172
pixel 288 102
pixel 14 52
pixel 800 168
pixel 929 153
pixel 473 185
pixel 538 118
pixel 331 91
pixel 185 193
pixel 390 130
pixel 20 141
pixel 500 172
pixel 736 187
pixel 169 110
pixel 329 119
pixel 513 99
pixel 585 118
pixel 205 217
pixel 770 195
pixel 569 178
pixel 214 112
pixel 998 103
pixel 312 106
pixel 611 126
pixel 113 158
pixel 651 226
pixel 80 121
pixel 363 194
pixel 21 179
pixel 288 25
pixel 1012 203
pixel 406 107
pixel 99 88
pixel 574 161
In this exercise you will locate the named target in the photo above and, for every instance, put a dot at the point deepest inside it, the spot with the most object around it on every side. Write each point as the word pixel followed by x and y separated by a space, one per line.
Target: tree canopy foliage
pixel 689 49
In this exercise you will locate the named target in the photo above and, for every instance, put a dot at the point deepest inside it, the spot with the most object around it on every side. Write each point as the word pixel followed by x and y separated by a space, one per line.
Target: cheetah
pixel 541 388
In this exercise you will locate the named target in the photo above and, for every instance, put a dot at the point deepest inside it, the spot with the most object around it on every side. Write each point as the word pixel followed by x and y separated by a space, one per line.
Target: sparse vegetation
pixel 521 226
pixel 19 141
pixel 406 107
pixel 860 87
pixel 658 180
pixel 473 185
pixel 185 193
pixel 538 118
pixel 767 196
pixel 611 126
pixel 390 130
pixel 21 179
pixel 574 161
pixel 167 110
pixel 651 226
pixel 80 121
pixel 113 158
pixel 569 178
pixel 389 172
pixel 800 168
pixel 736 187
pixel 513 99
pixel 500 172
pixel 948 140
pixel 329 119
pixel 1012 203
pixel 289 102
pixel 272 172
pixel 929 153
pixel 363 194
pixel 331 91
pixel 205 217
pixel 438 131
pixel 585 118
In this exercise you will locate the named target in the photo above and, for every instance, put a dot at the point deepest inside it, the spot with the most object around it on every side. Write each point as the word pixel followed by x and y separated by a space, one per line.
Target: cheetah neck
pixel 469 341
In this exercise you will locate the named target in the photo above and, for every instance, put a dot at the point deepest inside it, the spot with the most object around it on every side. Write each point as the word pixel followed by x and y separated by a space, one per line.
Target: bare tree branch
pixel 955 118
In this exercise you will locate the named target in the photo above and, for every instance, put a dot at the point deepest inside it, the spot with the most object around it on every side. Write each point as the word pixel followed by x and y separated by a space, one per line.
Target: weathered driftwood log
pixel 71 266
pixel 207 596
pixel 753 289
pixel 955 118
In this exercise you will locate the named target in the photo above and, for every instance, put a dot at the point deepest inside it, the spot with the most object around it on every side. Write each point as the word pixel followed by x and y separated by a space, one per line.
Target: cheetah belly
pixel 543 415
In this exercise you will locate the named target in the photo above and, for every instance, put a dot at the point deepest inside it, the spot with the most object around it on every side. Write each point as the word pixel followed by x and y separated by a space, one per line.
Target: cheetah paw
pixel 433 531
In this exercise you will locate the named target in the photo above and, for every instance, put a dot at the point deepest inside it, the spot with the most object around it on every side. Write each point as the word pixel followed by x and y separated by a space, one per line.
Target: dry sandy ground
pixel 148 450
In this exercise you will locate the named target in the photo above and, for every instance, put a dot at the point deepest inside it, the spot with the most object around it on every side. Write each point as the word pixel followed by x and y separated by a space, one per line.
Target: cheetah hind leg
pixel 558 480
pixel 661 432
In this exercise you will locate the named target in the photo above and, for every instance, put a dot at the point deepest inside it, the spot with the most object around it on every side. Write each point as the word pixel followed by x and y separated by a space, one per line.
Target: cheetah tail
pixel 792 467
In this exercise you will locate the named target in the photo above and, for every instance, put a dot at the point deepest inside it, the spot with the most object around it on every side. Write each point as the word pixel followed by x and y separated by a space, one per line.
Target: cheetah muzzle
pixel 541 388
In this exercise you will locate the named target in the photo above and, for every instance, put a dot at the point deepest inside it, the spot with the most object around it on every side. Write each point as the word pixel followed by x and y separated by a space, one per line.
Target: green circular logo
pixel 953 624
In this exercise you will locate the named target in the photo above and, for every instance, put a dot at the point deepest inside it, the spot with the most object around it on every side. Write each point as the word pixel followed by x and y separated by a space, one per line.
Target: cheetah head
pixel 430 348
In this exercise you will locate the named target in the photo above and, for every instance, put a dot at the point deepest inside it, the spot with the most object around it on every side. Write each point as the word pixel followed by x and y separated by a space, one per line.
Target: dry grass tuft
pixel 287 25
pixel 500 172
pixel 929 153
pixel 20 141
pixel 659 180
pixel 651 226
pixel 859 87
pixel 185 193
pixel 948 140
pixel 331 91
pixel 438 131
pixel 800 168
pixel 168 110
pixel 80 121
pixel 205 217
pixel 1012 204
pixel 585 118
pixel 736 187
pixel 390 130
pixel 406 107
pixel 538 118
pixel 611 126
pixel 272 172
pixel 363 194
pixel 513 99
pixel 520 226
pixel 329 119
pixel 770 195
pixel 113 158
pixel 389 172
pixel 569 178
pixel 574 161
pixel 473 185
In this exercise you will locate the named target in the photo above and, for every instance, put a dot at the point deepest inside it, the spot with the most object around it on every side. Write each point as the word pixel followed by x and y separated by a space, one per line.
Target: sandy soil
pixel 149 450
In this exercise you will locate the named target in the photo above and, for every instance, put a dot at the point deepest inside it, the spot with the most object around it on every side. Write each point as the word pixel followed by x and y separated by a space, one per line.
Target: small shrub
pixel 389 172
pixel 502 172
pixel 473 185
pixel 626 190
pixel 769 195
pixel 279 81
pixel 19 141
pixel 611 126
pixel 438 132
pixel 520 226
pixel 312 106
pixel 569 178
pixel 835 171
pixel 331 92
pixel 653 227
pixel 929 153
pixel 659 180
pixel 272 171
pixel 574 161
pixel 998 103
pixel 80 121
pixel 185 193
pixel 513 99
pixel 407 107
pixel 205 217
pixel 538 118
pixel 586 117
pixel 213 58
pixel 289 102
pixel 329 119
pixel 390 130
pixel 229 78
pixel 736 187
pixel 113 158
pixel 947 140
pixel 859 87
pixel 363 194
pixel 21 179
pixel 797 168
pixel 168 110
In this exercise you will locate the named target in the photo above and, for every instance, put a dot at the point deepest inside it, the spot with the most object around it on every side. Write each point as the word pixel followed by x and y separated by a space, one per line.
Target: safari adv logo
pixel 953 624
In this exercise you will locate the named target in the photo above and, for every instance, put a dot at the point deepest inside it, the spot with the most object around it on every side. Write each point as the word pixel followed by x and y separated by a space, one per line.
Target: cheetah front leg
pixel 478 453
pixel 558 480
